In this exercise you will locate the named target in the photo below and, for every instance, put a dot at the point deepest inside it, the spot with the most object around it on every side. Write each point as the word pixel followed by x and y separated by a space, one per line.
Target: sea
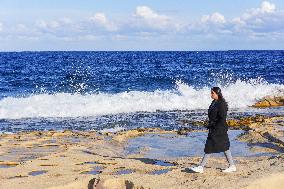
pixel 120 90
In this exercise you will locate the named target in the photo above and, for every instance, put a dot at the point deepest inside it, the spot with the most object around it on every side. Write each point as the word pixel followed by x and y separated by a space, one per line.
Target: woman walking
pixel 217 140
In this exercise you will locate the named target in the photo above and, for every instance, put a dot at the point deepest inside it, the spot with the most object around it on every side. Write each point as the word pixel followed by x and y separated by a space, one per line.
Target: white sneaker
pixel 230 169
pixel 198 169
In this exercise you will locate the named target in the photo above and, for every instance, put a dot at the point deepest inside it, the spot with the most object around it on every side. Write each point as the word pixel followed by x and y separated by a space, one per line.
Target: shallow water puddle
pixel 95 171
pixel 88 162
pixel 160 146
pixel 160 172
pixel 26 154
pixel 70 139
pixel 91 162
pixel 163 163
pixel 36 173
pixel 7 166
pixel 124 172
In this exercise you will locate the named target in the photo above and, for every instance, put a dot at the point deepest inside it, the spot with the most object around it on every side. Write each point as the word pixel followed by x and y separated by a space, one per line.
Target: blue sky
pixel 141 25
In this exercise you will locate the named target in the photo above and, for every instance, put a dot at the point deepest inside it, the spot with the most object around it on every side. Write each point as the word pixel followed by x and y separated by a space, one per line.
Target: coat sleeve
pixel 213 120
pixel 212 123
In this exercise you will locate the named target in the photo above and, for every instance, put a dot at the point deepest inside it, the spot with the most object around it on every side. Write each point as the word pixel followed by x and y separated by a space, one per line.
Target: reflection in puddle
pixel 91 162
pixel 94 163
pixel 21 154
pixel 124 171
pixel 163 163
pixel 7 166
pixel 95 171
pixel 159 172
pixel 75 140
pixel 36 173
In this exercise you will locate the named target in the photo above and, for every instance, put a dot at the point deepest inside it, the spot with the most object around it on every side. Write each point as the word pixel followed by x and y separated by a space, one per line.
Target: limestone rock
pixel 270 101
pixel 114 183
pixel 184 131
pixel 122 136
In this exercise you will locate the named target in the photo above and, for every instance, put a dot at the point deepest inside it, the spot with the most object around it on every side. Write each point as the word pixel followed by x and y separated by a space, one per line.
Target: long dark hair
pixel 218 91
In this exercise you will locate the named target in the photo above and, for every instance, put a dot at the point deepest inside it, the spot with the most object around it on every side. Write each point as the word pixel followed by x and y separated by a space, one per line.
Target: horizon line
pixel 141 50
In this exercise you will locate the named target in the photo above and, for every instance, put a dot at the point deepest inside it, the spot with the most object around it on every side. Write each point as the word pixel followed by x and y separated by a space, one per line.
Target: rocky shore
pixel 69 159
pixel 270 101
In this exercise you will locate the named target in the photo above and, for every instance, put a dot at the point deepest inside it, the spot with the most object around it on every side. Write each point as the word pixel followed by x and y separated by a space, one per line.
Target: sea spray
pixel 239 94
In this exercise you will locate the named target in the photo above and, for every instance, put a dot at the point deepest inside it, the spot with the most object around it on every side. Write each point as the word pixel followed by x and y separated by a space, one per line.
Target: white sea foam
pixel 113 130
pixel 239 94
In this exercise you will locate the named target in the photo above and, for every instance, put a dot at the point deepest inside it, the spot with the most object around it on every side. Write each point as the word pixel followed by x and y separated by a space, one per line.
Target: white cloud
pixel 18 31
pixel 119 37
pixel 147 24
pixel 89 37
pixel 265 19
pixel 264 9
pixel 209 25
pixel 148 14
pixel 148 18
pixel 22 28
pixel 56 25
pixel 260 21
pixel 238 21
pixel 215 18
pixel 66 20
pixel 60 28
pixel 48 25
pixel 101 20
pixel 267 7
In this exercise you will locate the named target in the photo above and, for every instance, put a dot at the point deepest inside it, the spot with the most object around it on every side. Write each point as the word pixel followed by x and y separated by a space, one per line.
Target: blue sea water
pixel 121 90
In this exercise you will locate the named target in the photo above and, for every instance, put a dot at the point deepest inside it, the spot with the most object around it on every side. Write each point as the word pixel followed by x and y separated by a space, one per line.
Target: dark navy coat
pixel 217 140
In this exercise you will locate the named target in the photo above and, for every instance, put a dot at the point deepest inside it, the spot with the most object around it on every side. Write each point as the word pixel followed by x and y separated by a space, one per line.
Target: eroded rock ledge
pixel 270 101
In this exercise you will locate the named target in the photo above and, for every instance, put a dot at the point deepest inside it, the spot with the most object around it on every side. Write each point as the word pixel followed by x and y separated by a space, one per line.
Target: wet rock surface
pixel 269 101
pixel 70 159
